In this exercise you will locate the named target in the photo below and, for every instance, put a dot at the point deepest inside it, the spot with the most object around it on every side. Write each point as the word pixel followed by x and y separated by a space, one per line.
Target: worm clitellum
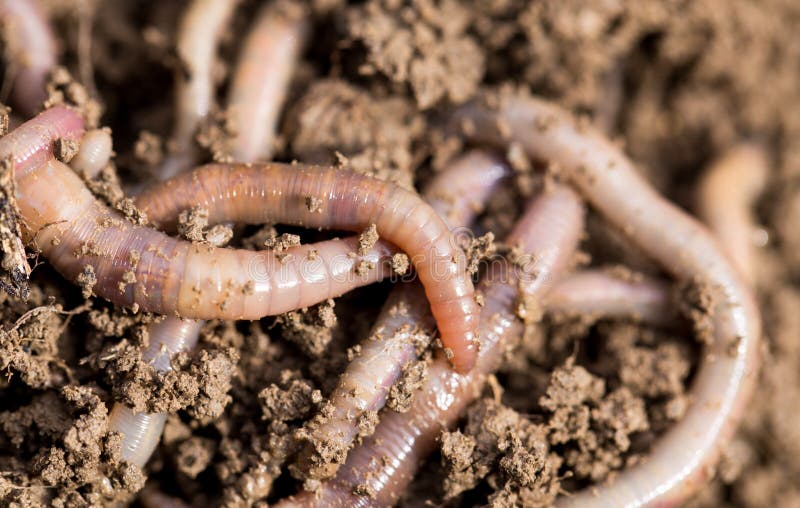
pixel 404 326
pixel 386 461
pixel 681 460
pixel 171 276
pixel 31 49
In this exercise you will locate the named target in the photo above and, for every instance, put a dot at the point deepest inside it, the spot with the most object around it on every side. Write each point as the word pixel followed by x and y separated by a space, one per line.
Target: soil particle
pixel 375 134
pixel 311 328
pixel 149 150
pixel 401 394
pixel 367 239
pixel 62 89
pixel 478 250
pixel 400 263
pixel 65 149
pixel 194 456
pixel 292 399
pixel 696 303
pixel 426 48
pixel 193 225
pixel 15 270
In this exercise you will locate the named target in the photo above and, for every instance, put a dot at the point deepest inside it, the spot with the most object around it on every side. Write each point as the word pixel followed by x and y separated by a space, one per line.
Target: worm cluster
pixel 197 300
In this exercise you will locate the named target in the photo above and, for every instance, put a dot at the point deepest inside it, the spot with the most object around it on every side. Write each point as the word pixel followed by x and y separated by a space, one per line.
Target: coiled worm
pixel 385 463
pixel 681 460
pixel 458 193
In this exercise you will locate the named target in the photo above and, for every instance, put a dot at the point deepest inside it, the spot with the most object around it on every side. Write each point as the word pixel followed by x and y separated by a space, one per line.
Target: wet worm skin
pixel 276 193
pixel 199 32
pixel 94 153
pixel 137 265
pixel 726 194
pixel 32 49
pixel 681 461
pixel 141 432
pixel 261 82
pixel 404 325
pixel 386 462
pixel 598 293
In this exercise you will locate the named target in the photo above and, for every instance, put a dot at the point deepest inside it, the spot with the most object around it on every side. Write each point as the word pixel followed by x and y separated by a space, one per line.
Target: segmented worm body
pixel 404 326
pixel 280 193
pixel 598 293
pixel 199 33
pixel 31 49
pixel 142 431
pixel 386 461
pixel 683 458
pixel 94 153
pixel 725 199
pixel 137 265
pixel 261 82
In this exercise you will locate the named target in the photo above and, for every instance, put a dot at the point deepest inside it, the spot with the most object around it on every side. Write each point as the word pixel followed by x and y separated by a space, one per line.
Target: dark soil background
pixel 676 81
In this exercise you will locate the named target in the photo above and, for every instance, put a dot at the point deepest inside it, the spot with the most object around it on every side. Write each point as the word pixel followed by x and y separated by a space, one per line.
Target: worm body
pixel 200 30
pixel 404 325
pixel 94 153
pixel 31 50
pixel 280 193
pixel 137 265
pixel 142 431
pixel 681 460
pixel 261 82
pixel 386 462
pixel 601 294
pixel 725 198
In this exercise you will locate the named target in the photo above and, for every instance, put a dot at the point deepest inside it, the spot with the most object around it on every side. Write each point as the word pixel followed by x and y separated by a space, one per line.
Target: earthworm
pixel 137 265
pixel 142 431
pixel 598 293
pixel 94 153
pixel 403 327
pixel 199 32
pixel 385 463
pixel 726 194
pixel 685 456
pixel 31 49
pixel 261 81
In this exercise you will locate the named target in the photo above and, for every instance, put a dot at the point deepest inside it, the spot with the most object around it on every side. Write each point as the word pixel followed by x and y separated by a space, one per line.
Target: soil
pixel 676 82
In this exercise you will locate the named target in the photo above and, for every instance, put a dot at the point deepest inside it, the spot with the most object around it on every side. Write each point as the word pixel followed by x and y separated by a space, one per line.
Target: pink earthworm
pixel 142 431
pixel 31 49
pixel 199 32
pixel 726 194
pixel 604 295
pixel 385 463
pixel 261 81
pixel 682 460
pixel 404 326
pixel 137 265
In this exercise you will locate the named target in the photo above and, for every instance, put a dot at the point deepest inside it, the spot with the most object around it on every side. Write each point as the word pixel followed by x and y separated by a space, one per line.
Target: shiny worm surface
pixel 385 463
pixel 404 325
pixel 137 265
pixel 681 460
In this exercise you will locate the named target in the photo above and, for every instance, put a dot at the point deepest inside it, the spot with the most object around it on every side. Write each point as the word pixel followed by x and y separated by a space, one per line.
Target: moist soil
pixel 676 82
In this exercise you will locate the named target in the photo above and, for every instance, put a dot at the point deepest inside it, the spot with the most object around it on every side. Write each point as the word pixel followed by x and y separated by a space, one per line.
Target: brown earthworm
pixel 31 50
pixel 685 456
pixel 137 265
pixel 142 431
pixel 199 32
pixel 601 294
pixel 261 81
pixel 403 328
pixel 726 194
pixel 385 463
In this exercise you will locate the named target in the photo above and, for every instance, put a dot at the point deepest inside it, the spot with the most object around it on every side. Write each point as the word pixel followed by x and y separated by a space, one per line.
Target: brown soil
pixel 675 81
